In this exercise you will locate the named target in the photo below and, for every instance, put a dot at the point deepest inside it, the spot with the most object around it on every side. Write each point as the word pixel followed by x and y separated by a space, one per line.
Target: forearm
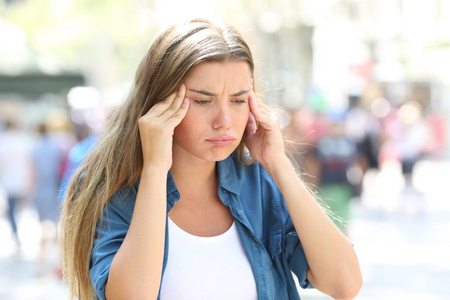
pixel 334 267
pixel 136 268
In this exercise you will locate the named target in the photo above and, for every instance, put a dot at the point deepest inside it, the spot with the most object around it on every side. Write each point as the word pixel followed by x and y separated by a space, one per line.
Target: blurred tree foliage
pixel 74 35
pixel 104 40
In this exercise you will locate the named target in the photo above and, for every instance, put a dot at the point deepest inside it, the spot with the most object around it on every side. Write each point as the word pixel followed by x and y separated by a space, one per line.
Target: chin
pixel 217 158
pixel 220 155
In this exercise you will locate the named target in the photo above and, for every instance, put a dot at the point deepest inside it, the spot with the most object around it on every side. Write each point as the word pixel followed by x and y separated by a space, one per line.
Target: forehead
pixel 216 74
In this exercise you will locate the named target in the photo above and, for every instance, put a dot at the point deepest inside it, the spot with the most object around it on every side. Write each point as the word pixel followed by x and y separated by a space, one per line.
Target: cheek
pixel 241 120
pixel 181 130
pixel 186 128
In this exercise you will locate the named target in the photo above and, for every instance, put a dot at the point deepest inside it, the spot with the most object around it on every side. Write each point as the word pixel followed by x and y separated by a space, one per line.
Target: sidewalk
pixel 22 277
pixel 401 236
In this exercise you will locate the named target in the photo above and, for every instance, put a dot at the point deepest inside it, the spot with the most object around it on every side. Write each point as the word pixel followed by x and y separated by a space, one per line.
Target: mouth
pixel 221 140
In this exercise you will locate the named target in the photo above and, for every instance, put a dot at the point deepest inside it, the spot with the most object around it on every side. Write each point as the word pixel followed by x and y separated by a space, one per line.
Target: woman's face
pixel 218 111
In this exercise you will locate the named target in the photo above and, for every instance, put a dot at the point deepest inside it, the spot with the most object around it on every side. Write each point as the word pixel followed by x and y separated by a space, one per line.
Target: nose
pixel 222 118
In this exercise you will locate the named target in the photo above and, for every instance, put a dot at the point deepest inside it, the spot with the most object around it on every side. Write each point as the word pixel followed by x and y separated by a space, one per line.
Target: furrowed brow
pixel 240 93
pixel 203 92
pixel 207 93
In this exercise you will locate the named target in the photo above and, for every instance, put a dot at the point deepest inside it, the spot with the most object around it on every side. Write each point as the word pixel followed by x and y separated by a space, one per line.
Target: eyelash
pixel 202 102
pixel 239 101
pixel 235 101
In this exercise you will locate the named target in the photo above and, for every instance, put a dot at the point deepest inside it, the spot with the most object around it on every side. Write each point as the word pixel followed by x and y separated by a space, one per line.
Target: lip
pixel 221 140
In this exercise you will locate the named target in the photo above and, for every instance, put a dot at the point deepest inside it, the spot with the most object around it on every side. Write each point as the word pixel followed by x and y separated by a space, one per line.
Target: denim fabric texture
pixel 262 219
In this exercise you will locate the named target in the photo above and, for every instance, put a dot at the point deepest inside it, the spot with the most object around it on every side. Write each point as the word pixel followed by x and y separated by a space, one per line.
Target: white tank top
pixel 204 268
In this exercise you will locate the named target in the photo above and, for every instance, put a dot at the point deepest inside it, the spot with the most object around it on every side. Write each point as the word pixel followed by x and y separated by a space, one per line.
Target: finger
pixel 263 114
pixel 179 115
pixel 255 107
pixel 259 114
pixel 251 125
pixel 163 106
pixel 252 103
pixel 160 107
pixel 176 103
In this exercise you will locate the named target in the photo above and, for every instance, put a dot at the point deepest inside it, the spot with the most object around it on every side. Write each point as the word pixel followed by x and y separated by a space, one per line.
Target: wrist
pixel 278 166
pixel 150 170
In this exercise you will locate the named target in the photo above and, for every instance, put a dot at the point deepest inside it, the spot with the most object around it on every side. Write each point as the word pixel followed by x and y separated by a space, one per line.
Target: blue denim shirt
pixel 262 219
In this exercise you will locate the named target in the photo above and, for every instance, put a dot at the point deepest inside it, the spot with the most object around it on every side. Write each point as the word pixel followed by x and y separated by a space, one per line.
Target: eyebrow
pixel 207 93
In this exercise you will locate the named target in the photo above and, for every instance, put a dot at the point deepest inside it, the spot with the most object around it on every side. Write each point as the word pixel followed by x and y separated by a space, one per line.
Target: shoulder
pixel 121 204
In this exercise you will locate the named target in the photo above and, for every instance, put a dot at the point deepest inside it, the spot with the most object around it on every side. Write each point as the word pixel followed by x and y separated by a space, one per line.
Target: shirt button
pixel 240 212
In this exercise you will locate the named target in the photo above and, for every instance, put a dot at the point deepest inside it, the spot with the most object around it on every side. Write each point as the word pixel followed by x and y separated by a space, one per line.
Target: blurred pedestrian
pixel 413 141
pixel 76 157
pixel 47 159
pixel 87 138
pixel 336 153
pixel 14 170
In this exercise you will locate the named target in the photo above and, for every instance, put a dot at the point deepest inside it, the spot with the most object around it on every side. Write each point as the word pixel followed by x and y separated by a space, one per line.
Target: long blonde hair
pixel 116 162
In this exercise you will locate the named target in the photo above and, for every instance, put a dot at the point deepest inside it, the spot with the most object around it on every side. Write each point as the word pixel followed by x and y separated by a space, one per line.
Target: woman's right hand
pixel 156 129
pixel 141 255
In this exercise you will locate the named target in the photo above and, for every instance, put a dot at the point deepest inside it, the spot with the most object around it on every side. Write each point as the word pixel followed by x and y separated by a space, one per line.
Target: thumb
pixel 251 125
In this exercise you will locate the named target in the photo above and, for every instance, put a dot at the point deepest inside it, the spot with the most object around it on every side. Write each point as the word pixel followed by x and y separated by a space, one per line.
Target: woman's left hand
pixel 265 141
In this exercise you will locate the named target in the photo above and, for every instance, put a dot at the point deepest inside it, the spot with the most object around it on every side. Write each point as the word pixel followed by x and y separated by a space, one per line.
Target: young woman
pixel 167 205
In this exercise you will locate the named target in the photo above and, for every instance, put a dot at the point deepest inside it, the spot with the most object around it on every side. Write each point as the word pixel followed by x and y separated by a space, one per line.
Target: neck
pixel 192 176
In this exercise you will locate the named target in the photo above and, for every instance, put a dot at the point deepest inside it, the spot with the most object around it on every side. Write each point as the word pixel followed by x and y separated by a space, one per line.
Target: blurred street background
pixel 362 88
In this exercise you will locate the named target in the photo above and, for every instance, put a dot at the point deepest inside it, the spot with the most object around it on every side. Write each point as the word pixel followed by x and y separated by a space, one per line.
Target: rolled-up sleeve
pixel 295 255
pixel 110 233
pixel 278 217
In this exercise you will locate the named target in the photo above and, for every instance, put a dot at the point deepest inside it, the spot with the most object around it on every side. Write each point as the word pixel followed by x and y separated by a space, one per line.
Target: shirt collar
pixel 226 171
pixel 171 187
pixel 228 179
